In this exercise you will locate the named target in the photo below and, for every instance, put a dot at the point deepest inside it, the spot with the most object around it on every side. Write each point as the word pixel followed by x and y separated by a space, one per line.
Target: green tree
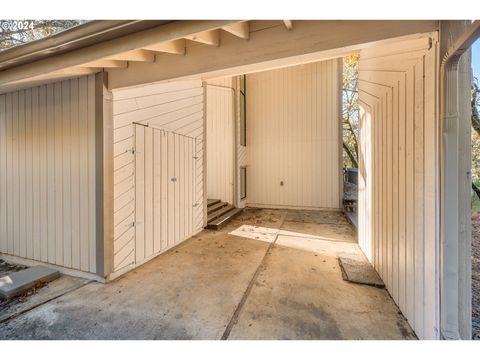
pixel 350 110
pixel 475 105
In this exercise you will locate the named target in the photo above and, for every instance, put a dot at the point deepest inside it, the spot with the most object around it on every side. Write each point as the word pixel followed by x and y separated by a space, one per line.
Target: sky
pixel 476 59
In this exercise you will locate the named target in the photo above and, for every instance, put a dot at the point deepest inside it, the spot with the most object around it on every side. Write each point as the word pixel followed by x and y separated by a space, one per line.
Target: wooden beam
pixel 288 24
pixel 240 29
pixel 134 55
pixel 103 50
pixel 171 47
pixel 269 48
pixel 106 64
pixel 206 37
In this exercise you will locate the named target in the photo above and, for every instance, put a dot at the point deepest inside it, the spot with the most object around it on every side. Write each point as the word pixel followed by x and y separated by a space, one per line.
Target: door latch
pixel 174 179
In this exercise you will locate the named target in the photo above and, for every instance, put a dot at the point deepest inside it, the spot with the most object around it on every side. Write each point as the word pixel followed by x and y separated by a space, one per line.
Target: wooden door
pixel 164 190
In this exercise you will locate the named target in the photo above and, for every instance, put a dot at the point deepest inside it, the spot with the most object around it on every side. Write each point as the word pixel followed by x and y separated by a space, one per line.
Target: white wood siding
pixel 175 107
pixel 293 135
pixel 398 174
pixel 47 174
pixel 220 139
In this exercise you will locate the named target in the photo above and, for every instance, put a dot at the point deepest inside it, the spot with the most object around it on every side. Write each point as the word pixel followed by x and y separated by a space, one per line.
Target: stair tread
pixel 215 207
pixel 219 213
pixel 224 219
pixel 226 216
pixel 212 201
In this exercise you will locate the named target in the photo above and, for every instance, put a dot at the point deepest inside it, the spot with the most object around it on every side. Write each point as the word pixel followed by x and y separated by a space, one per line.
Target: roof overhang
pixel 104 44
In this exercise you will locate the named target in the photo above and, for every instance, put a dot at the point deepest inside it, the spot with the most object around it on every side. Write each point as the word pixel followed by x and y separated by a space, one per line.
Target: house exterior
pixel 111 144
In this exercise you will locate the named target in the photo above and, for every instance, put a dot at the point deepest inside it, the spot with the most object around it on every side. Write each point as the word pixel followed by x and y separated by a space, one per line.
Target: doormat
pixel 359 271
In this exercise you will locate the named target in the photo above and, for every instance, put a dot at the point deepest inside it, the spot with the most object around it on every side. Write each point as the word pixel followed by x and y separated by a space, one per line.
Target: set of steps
pixel 219 213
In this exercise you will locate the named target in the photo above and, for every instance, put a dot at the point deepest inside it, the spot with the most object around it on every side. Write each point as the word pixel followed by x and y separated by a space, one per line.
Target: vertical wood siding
pixel 164 191
pixel 293 135
pixel 47 174
pixel 174 107
pixel 220 139
pixel 398 172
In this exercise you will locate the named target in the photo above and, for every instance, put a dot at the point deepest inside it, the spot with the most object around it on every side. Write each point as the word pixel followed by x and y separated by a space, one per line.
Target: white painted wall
pixel 47 174
pixel 174 107
pixel 220 122
pixel 398 189
pixel 294 136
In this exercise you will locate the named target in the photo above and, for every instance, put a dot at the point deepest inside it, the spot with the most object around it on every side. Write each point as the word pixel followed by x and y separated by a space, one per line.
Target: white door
pixel 164 190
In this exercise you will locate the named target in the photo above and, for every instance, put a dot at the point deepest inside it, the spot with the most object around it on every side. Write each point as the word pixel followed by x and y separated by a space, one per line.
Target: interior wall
pixel 220 122
pixel 294 137
pixel 47 174
pixel 174 107
pixel 398 174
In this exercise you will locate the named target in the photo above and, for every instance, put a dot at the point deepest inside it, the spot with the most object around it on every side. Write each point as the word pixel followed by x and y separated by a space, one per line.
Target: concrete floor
pixel 216 285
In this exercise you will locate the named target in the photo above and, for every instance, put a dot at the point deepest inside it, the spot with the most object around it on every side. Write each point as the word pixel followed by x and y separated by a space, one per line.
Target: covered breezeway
pixel 400 136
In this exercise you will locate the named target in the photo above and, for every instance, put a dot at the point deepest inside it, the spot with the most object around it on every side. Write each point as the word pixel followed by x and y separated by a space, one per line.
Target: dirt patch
pixel 476 276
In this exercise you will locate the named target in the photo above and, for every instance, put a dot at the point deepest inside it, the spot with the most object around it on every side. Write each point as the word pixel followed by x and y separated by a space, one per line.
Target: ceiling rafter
pixel 240 29
pixel 171 47
pixel 211 37
pixel 288 24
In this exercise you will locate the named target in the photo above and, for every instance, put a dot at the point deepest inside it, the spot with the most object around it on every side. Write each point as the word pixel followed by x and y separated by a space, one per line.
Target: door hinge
pixel 132 150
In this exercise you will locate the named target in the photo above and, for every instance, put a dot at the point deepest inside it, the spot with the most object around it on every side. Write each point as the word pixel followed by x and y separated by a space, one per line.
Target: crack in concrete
pixel 248 290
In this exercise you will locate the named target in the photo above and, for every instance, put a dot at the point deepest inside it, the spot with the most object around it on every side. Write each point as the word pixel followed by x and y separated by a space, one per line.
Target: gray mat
pixel 359 272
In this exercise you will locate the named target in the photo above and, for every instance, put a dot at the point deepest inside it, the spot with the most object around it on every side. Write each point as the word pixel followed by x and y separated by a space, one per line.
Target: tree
pixel 475 105
pixel 350 110
pixel 18 32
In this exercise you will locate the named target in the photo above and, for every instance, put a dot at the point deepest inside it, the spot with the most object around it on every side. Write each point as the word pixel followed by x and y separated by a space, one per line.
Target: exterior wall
pixel 294 136
pixel 398 172
pixel 176 107
pixel 48 175
pixel 220 122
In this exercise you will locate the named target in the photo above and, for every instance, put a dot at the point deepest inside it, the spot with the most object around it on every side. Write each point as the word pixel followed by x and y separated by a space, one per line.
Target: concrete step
pixel 17 283
pixel 221 221
pixel 215 207
pixel 212 202
pixel 219 213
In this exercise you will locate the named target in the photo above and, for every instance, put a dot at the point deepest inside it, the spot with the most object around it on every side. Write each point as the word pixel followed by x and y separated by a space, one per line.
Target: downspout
pixel 449 309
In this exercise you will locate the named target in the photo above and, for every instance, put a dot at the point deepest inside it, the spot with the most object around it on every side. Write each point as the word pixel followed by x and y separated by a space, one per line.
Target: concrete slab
pixel 331 232
pixel 190 292
pixel 317 217
pixel 359 271
pixel 216 282
pixel 256 233
pixel 51 291
pixel 18 282
pixel 300 294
